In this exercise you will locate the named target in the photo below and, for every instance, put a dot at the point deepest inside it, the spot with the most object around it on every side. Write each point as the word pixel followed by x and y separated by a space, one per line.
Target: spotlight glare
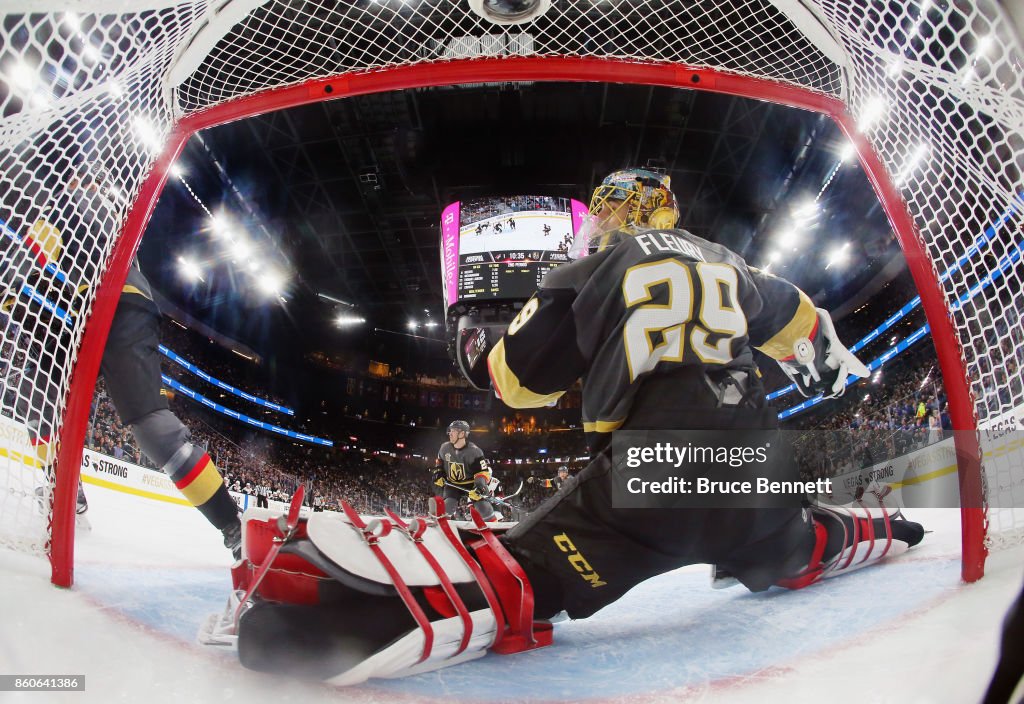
pixel 806 209
pixel 22 76
pixel 189 269
pixel 240 249
pixel 271 283
pixel 874 110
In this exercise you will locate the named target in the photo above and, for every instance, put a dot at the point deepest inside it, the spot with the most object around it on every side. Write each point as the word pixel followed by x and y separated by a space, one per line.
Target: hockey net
pixel 930 92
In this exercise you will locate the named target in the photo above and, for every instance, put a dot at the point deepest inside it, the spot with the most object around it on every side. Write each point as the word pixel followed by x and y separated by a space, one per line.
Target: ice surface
pixel 148 573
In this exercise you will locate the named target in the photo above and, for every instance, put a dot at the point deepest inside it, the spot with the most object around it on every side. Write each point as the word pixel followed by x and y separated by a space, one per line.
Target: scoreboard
pixel 500 249
pixel 505 274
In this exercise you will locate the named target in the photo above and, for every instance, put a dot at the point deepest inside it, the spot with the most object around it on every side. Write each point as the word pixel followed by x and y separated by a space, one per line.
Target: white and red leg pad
pixel 867 538
pixel 460 605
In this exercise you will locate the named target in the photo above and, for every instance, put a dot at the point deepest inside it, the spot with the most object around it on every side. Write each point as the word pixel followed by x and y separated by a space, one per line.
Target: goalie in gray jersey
pixel 660 326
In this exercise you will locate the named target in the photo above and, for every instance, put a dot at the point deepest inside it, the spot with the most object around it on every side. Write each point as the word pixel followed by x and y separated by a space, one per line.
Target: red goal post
pixel 912 206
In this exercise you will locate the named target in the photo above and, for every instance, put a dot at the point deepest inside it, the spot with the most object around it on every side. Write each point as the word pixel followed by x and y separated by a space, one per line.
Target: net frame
pixel 498 70
pixel 194 95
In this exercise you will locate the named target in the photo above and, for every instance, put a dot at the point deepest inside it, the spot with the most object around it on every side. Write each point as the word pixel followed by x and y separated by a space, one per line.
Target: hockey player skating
pixel 555 482
pixel 660 325
pixel 131 369
pixel 461 469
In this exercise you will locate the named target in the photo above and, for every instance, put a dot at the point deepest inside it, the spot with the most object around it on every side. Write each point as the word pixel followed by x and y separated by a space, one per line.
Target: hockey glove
pixel 480 489
pixel 820 365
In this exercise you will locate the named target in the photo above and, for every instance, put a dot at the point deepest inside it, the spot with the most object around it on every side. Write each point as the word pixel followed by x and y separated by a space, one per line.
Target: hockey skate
pixel 44 498
pixel 233 539
pixel 348 597
pixel 849 538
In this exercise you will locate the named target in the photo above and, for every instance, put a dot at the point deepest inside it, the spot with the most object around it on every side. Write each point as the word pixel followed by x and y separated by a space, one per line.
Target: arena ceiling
pixel 345 196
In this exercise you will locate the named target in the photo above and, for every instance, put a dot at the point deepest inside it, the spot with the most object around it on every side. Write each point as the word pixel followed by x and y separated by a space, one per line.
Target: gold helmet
pixel 637 199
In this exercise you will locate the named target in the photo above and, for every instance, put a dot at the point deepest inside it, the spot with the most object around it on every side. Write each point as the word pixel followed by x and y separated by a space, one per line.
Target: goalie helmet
pixel 626 202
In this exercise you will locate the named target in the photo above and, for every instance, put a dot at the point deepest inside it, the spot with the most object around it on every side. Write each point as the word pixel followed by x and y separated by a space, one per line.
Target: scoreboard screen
pixel 501 248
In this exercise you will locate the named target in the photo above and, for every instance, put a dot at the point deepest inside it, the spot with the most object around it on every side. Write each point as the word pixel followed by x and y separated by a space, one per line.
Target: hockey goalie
pixel 660 325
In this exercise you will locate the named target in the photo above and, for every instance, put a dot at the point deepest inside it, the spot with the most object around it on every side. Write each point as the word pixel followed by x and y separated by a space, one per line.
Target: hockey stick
pixel 287 526
pixel 515 493
pixel 492 499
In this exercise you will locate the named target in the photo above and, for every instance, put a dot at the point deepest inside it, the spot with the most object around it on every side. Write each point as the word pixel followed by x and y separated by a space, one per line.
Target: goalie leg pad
pixel 407 597
pixel 848 539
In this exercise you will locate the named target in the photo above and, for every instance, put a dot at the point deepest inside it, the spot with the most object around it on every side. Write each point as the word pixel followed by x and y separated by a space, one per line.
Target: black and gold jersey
pixel 463 466
pixel 660 303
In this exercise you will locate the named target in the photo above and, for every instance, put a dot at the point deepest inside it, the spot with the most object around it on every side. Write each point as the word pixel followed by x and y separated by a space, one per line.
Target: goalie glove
pixel 821 363
pixel 353 597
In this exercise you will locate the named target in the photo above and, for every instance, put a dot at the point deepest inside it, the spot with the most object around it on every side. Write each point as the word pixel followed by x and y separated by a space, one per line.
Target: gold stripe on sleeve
pixel 507 384
pixel 801 325
pixel 602 426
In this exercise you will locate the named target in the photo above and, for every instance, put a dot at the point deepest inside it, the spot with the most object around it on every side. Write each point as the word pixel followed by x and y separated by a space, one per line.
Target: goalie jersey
pixel 662 302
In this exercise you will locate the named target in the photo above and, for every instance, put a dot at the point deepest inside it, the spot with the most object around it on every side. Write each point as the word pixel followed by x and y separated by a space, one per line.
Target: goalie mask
pixel 626 202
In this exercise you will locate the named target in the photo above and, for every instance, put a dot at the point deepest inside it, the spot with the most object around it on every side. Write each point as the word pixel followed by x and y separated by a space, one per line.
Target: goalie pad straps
pixel 514 591
pixel 503 582
pixel 414 531
pixel 372 532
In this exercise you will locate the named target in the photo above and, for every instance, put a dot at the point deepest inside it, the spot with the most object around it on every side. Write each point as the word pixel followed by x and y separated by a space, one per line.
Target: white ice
pixel 148 573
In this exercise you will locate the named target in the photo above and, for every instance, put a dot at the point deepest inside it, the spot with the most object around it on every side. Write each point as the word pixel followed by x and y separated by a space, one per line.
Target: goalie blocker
pixel 345 598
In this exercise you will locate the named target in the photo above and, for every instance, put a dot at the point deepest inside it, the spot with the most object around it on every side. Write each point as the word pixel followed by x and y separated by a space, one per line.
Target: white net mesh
pixel 935 85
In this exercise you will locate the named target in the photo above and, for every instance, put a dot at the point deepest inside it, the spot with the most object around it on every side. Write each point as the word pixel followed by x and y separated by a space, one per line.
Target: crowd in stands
pixel 899 410
pixel 473 210
pixel 995 359
pixel 216 361
pixel 386 464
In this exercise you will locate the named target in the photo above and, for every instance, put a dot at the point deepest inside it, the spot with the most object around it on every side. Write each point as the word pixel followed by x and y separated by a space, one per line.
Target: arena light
pixel 920 152
pixel 984 44
pixel 21 75
pixel 189 269
pixel 872 113
pixel 271 283
pixel 346 320
pixel 91 55
pixel 72 21
pixel 838 256
pixel 806 210
pixel 788 237
pixel 895 68
pixel 176 170
pixel 412 325
pixel 147 134
pixel 240 249
pixel 219 226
